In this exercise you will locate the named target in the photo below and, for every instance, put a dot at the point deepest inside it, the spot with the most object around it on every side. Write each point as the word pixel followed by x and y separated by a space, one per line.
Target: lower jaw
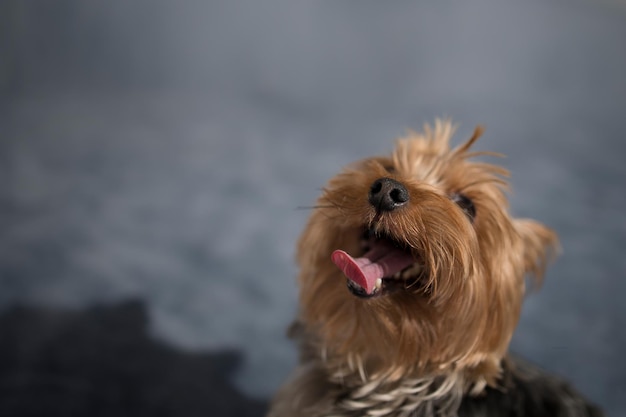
pixel 389 286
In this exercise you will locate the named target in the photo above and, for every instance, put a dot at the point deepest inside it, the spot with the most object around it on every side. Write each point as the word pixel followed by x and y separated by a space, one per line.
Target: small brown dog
pixel 436 268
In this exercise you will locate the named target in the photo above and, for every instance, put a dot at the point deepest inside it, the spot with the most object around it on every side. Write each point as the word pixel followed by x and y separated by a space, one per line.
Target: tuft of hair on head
pixel 463 148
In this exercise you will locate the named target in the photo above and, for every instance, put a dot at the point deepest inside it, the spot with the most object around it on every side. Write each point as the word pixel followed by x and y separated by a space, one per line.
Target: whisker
pixel 330 215
pixel 412 284
pixel 315 207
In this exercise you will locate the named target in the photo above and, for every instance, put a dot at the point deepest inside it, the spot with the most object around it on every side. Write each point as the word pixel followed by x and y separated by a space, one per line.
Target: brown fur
pixel 450 334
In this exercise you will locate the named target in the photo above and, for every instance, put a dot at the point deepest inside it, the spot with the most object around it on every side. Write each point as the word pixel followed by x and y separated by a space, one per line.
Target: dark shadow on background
pixel 102 362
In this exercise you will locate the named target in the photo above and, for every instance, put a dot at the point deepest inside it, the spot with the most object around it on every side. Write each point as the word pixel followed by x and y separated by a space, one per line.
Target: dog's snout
pixel 387 194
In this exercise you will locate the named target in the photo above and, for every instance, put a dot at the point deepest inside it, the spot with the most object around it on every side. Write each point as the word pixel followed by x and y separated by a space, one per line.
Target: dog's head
pixel 434 263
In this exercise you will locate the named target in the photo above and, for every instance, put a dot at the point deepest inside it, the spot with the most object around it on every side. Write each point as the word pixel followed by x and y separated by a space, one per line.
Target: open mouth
pixel 385 265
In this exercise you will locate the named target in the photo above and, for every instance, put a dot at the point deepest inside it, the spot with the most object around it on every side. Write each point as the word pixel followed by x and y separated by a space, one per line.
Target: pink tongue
pixel 383 260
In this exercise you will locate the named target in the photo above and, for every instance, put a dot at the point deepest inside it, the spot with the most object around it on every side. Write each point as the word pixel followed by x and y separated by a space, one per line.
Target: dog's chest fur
pixel 525 390
pixel 327 395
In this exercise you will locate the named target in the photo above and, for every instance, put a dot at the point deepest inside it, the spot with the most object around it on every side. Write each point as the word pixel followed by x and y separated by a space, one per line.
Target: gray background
pixel 159 151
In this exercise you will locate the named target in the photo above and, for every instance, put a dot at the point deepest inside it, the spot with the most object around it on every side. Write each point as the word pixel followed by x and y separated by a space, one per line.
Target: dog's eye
pixel 465 204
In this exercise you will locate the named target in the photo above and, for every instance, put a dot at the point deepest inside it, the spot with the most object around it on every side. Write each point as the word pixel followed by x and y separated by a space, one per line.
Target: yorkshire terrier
pixel 436 270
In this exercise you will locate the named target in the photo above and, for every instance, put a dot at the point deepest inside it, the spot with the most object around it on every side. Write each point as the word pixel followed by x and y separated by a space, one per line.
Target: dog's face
pixel 412 262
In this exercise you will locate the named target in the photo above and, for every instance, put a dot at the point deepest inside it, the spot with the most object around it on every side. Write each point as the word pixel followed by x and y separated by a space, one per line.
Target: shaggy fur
pixel 433 342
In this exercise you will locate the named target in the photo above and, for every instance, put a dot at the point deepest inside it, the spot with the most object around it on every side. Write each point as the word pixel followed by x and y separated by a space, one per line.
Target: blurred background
pixel 153 156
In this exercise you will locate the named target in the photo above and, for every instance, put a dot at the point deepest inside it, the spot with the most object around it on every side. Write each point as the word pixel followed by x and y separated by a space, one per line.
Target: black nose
pixel 387 194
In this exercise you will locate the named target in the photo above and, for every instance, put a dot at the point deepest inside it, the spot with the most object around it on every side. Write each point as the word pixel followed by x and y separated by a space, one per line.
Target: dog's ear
pixel 539 245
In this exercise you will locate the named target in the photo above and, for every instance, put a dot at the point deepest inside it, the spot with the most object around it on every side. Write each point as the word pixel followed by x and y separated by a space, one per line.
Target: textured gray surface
pixel 160 151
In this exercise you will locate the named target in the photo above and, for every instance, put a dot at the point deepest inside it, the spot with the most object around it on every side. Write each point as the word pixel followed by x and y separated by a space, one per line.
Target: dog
pixel 436 269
